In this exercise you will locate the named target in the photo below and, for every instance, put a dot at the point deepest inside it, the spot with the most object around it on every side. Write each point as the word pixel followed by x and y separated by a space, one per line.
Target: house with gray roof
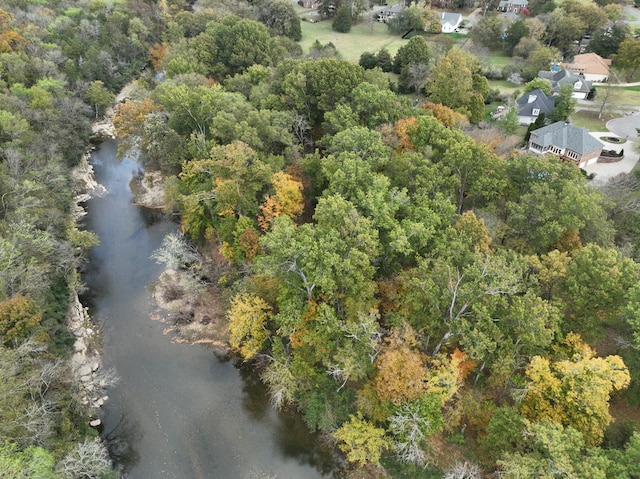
pixel 388 13
pixel 450 21
pixel 581 87
pixel 513 6
pixel 530 105
pixel 569 142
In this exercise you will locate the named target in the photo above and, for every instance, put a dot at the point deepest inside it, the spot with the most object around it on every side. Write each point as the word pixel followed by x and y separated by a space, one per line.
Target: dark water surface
pixel 178 411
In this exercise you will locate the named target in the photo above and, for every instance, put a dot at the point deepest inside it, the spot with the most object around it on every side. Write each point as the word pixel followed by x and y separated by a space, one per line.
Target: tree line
pixel 60 64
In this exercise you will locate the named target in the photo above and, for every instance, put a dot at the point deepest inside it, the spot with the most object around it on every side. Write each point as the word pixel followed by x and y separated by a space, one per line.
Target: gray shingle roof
pixel 450 18
pixel 505 3
pixel 393 9
pixel 565 77
pixel 564 135
pixel 532 100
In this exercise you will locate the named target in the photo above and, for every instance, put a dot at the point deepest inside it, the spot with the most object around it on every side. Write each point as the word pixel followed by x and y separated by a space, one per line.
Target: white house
pixel 450 21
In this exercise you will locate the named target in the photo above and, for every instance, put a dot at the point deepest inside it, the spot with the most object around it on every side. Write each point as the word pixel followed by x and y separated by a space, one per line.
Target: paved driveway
pixel 625 127
pixel 633 15
pixel 604 171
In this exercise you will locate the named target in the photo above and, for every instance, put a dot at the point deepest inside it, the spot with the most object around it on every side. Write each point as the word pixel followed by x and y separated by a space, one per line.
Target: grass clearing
pixel 589 119
pixel 505 86
pixel 364 37
pixel 627 96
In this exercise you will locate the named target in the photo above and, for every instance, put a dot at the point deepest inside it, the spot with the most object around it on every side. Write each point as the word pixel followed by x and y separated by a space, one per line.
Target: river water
pixel 178 411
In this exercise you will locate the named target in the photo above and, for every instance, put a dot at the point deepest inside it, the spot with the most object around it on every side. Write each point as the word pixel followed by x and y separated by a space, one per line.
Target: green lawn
pixel 505 86
pixel 589 120
pixel 629 95
pixel 362 38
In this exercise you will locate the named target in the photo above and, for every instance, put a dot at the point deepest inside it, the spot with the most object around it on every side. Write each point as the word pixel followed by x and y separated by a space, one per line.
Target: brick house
pixel 569 142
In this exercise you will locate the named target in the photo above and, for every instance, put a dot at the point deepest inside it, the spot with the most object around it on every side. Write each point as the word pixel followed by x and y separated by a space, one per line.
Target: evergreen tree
pixel 342 21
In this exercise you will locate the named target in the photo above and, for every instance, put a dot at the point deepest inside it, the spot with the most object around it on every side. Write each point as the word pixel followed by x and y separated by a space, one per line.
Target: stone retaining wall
pixel 610 159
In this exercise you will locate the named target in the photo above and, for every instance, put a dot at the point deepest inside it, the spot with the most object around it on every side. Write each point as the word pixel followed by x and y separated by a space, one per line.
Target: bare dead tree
pixel 463 470
pixel 88 460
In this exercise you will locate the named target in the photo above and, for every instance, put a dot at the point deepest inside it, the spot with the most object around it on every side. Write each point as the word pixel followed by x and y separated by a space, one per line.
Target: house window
pixel 536 112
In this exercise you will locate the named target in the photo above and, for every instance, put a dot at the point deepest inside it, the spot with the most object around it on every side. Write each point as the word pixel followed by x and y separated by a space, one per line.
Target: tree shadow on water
pixel 120 440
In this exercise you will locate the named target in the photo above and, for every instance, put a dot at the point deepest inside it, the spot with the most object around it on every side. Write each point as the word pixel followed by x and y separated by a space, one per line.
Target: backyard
pixel 363 37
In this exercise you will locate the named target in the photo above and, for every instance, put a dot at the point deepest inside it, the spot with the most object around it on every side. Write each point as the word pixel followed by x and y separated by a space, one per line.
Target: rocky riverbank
pixel 89 378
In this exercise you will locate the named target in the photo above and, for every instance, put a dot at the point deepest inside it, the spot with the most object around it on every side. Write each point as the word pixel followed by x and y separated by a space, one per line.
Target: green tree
pixel 411 17
pixel 509 123
pixel 313 87
pixel 514 33
pixel 540 59
pixel 542 83
pixel 281 18
pixel 32 462
pixel 550 448
pixel 453 81
pixel 536 7
pixel 606 43
pixel 628 56
pixel 385 62
pixel 595 287
pixel 368 61
pixel 490 31
pixel 415 51
pixel 565 104
pixel 342 21
pixel 562 29
pixel 99 97
pixel 238 44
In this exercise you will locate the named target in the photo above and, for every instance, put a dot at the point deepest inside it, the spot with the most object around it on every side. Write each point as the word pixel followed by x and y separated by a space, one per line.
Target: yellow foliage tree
pixel 247 318
pixel 287 200
pixel 475 230
pixel 400 371
pixel 20 319
pixel 576 391
pixel 401 130
pixel 403 373
pixel 361 441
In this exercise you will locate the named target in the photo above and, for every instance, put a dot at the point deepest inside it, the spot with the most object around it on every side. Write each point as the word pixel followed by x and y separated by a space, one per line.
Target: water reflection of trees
pixel 291 434
pixel 120 441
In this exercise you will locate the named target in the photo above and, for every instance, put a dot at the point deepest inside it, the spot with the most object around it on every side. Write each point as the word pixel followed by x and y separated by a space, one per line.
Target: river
pixel 178 411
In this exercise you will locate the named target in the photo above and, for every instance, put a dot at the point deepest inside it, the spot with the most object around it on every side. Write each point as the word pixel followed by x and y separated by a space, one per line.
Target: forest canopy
pixel 428 301
pixel 402 284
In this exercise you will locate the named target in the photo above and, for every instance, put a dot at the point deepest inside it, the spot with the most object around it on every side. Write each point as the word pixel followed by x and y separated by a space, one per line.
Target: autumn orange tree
pixel 129 121
pixel 287 200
